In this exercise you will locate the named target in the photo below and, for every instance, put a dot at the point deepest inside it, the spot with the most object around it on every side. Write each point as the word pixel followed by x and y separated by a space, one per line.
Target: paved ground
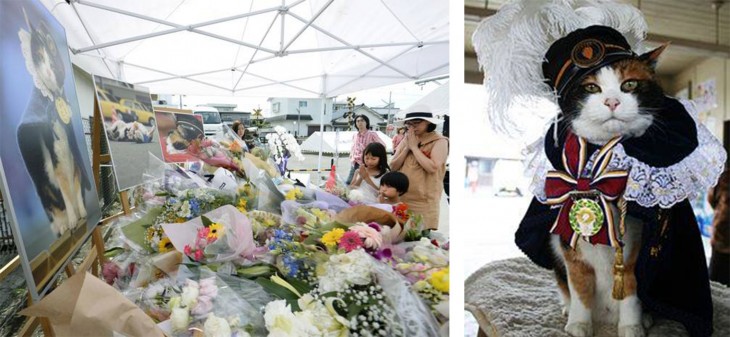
pixel 129 165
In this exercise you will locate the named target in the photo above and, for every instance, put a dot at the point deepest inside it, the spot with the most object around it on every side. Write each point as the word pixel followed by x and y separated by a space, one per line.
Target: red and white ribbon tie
pixel 584 196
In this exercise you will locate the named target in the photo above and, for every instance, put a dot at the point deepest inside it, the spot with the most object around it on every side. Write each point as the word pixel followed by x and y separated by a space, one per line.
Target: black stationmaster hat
pixel 581 52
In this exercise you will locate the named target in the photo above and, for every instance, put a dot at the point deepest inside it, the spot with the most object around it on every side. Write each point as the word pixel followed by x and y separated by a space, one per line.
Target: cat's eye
pixel 629 85
pixel 592 88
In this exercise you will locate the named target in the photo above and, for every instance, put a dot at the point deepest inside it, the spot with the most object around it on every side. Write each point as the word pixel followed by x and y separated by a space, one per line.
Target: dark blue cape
pixel 671 269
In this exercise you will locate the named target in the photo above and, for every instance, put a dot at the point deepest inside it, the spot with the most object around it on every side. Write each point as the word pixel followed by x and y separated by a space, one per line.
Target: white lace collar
pixel 650 186
pixel 25 42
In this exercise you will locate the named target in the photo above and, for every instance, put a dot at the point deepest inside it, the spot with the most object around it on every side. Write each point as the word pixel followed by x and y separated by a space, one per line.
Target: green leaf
pixel 136 230
pixel 253 271
pixel 112 252
pixel 206 221
pixel 353 310
pixel 301 286
pixel 280 292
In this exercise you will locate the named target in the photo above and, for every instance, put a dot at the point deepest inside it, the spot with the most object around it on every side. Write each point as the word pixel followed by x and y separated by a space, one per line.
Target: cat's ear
pixel 651 57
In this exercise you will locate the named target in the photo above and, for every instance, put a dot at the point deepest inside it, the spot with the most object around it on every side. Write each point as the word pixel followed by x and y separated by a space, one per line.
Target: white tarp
pixel 343 144
pixel 282 48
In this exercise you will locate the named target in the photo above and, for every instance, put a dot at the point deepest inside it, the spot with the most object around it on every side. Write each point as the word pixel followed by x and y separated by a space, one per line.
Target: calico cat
pixel 129 132
pixel 618 99
pixel 46 134
pixel 186 130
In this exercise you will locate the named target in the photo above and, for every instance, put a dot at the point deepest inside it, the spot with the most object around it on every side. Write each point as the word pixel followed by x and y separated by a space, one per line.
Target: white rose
pixel 190 296
pixel 216 327
pixel 179 318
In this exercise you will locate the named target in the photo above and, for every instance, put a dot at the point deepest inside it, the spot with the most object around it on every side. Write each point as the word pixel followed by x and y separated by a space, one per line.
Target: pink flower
pixel 187 250
pixel 203 306
pixel 350 241
pixel 111 272
pixel 373 239
pixel 203 233
pixel 198 255
pixel 208 287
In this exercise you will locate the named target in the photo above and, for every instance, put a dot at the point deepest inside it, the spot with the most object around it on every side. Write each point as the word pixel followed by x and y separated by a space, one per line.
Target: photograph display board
pixel 130 127
pixel 45 170
pixel 177 131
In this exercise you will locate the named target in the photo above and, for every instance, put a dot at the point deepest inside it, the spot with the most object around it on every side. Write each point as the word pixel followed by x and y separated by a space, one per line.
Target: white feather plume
pixel 511 46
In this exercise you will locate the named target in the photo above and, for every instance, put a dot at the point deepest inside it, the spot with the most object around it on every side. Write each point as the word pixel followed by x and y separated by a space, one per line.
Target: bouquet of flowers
pixel 350 295
pixel 263 222
pixel 223 234
pixel 307 216
pixel 213 154
pixel 341 239
pixel 426 267
pixel 283 146
pixel 204 303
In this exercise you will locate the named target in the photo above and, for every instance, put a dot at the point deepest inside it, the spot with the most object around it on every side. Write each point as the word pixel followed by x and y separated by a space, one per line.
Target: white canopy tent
pixel 437 100
pixel 282 48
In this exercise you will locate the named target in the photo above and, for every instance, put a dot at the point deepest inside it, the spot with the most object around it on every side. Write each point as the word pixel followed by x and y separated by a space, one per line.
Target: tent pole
pixel 378 67
pixel 365 46
pixel 384 63
pixel 321 10
pixel 191 28
pixel 321 127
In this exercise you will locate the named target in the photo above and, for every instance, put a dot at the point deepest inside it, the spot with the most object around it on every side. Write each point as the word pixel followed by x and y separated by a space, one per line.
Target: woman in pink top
pixel 398 137
pixel 362 138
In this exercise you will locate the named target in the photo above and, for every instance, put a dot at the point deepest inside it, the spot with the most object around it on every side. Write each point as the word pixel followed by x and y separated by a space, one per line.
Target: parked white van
pixel 211 119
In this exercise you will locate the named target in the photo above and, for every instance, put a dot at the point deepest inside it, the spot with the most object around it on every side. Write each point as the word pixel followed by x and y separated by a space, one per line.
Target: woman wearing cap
pixel 360 141
pixel 422 157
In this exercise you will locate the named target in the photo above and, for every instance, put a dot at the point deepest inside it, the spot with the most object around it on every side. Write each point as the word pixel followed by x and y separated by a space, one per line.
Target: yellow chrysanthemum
pixel 242 205
pixel 165 245
pixel 294 194
pixel 440 280
pixel 215 231
pixel 332 238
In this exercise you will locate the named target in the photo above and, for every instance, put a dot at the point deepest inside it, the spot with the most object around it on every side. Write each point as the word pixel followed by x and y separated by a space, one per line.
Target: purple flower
pixel 375 226
pixel 383 254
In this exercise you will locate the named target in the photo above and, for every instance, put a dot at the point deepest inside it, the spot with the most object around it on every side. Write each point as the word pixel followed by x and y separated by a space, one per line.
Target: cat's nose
pixel 611 103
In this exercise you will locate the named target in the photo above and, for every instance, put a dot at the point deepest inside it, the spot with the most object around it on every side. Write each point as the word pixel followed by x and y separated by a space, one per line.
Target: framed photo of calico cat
pixel 45 170
pixel 130 127
pixel 177 131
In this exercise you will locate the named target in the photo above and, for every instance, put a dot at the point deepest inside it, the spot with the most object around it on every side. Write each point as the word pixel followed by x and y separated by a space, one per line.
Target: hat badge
pixel 588 53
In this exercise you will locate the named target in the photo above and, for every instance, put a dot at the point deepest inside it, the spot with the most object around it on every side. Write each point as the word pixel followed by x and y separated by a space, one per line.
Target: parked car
pixel 128 110
pixel 212 123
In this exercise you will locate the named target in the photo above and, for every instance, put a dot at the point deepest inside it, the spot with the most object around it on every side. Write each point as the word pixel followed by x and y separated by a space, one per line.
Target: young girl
pixel 366 182
pixel 392 186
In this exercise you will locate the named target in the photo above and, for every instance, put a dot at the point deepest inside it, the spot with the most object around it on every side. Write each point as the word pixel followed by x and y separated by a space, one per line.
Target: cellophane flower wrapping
pixel 307 215
pixel 210 151
pixel 426 267
pixel 233 240
pixel 352 294
pixel 269 197
pixel 201 300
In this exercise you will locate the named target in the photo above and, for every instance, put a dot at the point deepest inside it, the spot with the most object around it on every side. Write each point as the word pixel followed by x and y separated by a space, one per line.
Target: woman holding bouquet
pixel 421 156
